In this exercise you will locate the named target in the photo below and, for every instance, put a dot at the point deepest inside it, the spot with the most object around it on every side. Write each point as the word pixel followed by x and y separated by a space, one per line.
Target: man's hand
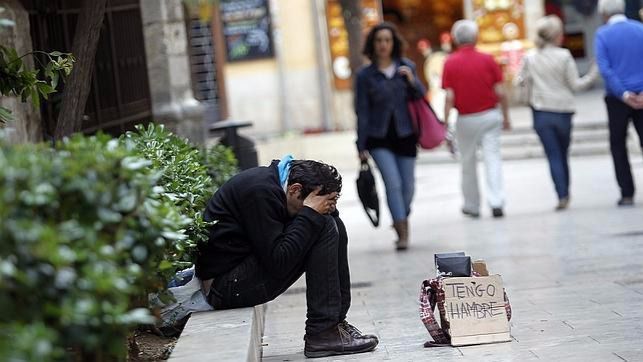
pixel 638 100
pixel 499 88
pixel 450 139
pixel 363 155
pixel 323 204
pixel 451 146
pixel 633 100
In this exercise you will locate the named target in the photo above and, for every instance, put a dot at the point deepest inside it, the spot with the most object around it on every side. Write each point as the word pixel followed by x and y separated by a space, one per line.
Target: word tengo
pixel 471 290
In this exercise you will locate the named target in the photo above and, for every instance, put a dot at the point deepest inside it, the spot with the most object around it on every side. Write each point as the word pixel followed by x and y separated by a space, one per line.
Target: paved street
pixel 574 278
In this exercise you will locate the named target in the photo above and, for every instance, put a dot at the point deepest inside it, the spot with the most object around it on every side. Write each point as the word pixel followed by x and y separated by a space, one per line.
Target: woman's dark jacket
pixel 380 101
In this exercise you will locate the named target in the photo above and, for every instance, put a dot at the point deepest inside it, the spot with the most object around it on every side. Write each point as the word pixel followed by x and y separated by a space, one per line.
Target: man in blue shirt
pixel 619 51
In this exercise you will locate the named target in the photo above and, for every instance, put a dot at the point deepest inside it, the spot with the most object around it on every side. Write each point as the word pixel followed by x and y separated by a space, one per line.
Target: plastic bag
pixel 188 298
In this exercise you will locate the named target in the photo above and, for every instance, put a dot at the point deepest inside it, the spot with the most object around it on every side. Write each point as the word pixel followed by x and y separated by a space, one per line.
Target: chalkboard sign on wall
pixel 246 29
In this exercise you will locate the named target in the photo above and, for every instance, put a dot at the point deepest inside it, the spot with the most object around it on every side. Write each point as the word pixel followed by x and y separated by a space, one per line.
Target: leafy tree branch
pixel 17 80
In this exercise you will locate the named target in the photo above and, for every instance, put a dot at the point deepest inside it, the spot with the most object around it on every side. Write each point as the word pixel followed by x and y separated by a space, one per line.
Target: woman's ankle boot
pixel 402 229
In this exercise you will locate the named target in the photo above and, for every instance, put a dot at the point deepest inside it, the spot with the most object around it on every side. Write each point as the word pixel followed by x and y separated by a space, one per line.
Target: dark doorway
pixel 422 20
pixel 120 96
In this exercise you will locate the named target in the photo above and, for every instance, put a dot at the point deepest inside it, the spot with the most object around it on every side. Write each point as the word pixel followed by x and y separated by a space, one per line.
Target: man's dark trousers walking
pixel 619 115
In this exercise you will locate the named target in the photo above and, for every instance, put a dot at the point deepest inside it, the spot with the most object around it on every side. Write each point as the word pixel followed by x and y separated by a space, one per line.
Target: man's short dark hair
pixel 312 174
pixel 398 42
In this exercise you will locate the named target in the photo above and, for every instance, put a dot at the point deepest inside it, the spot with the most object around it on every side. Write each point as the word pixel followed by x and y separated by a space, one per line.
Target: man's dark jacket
pixel 252 218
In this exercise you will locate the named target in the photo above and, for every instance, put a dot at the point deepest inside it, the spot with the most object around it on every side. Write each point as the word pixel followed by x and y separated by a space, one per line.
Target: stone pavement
pixel 574 278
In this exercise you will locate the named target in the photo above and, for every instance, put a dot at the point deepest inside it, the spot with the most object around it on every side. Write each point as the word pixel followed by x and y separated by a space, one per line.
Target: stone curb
pixel 223 335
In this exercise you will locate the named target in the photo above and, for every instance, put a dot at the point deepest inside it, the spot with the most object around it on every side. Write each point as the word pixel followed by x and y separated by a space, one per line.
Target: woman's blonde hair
pixel 548 28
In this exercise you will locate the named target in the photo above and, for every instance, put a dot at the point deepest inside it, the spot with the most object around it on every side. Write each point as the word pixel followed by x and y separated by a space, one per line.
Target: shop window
pixel 338 38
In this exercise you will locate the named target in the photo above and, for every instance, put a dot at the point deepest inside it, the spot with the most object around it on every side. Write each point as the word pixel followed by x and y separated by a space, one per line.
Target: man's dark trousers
pixel 619 115
pixel 327 280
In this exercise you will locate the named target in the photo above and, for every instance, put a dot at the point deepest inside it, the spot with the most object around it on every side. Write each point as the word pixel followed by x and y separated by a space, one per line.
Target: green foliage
pixel 221 164
pixel 88 229
pixel 186 179
pixel 16 80
pixel 5 115
pixel 29 342
pixel 84 232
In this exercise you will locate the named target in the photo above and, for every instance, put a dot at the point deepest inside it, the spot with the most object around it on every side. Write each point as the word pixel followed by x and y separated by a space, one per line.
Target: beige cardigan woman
pixel 551 76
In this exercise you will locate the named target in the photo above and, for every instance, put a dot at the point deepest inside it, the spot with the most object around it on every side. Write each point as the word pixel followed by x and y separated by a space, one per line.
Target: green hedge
pixel 185 181
pixel 87 230
pixel 190 176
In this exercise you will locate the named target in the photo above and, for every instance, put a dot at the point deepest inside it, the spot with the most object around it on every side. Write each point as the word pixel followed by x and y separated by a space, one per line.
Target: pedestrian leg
pixel 387 165
pixel 564 139
pixel 467 138
pixel 547 127
pixel 493 159
pixel 619 116
pixel 406 165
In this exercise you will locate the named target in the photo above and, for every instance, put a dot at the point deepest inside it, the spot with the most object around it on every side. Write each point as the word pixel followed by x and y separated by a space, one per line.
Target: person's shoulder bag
pixel 367 193
pixel 429 130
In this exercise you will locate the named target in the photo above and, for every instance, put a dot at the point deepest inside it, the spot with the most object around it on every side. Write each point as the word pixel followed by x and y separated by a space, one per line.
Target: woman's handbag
pixel 368 193
pixel 430 131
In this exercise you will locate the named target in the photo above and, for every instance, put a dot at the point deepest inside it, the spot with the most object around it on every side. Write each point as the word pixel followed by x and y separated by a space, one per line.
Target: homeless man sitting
pixel 272 224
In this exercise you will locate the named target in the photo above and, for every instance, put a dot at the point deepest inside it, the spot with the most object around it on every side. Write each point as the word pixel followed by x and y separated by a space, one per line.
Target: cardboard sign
pixel 475 310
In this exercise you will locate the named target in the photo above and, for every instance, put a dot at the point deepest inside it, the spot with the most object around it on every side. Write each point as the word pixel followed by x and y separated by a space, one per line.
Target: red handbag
pixel 430 131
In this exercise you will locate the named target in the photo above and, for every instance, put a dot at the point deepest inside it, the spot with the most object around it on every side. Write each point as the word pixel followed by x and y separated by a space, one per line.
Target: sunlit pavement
pixel 574 278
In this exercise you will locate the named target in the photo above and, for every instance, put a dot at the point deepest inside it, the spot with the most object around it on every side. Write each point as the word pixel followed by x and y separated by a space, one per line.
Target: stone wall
pixel 168 67
pixel 26 124
pixel 287 92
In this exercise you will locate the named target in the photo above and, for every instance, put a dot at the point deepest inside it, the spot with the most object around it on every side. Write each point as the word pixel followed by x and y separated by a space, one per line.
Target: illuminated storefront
pixel 422 21
pixel 294 74
pixel 338 38
pixel 503 29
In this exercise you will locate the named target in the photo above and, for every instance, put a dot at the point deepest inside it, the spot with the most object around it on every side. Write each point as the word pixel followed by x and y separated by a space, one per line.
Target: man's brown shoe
pixel 336 341
pixel 353 331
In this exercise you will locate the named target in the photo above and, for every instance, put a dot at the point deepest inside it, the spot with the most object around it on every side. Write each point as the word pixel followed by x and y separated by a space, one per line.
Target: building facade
pixel 141 70
pixel 305 84
pixel 280 64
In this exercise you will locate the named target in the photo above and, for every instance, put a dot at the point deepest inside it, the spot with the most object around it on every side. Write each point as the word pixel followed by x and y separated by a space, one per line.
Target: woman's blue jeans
pixel 554 130
pixel 398 173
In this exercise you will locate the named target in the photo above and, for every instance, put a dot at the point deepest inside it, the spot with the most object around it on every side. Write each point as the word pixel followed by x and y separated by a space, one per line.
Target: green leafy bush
pixel 189 176
pixel 84 232
pixel 91 227
pixel 221 164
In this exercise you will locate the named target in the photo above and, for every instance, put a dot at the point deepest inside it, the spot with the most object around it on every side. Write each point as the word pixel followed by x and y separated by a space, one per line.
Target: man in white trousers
pixel 473 83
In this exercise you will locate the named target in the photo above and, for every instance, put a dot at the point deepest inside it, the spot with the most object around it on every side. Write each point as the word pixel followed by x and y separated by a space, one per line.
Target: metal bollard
pixel 243 147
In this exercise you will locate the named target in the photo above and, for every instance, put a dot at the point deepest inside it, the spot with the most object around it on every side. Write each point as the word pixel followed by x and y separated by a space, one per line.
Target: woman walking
pixel 550 76
pixel 384 127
